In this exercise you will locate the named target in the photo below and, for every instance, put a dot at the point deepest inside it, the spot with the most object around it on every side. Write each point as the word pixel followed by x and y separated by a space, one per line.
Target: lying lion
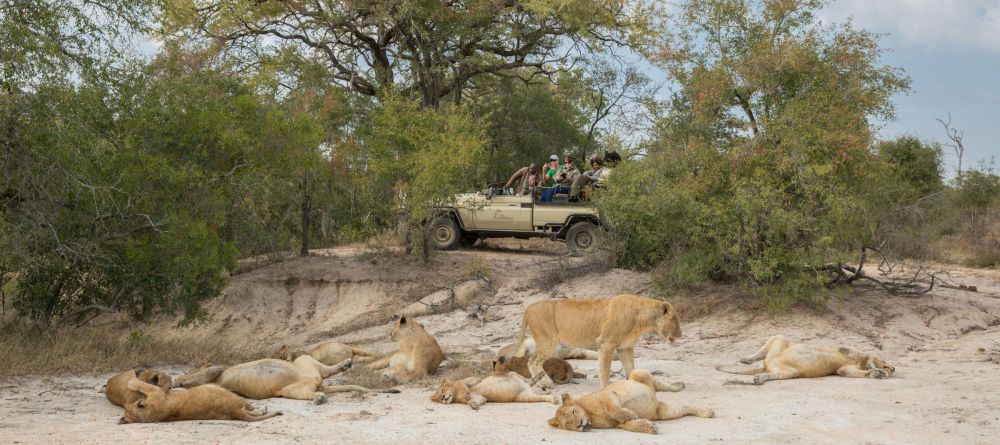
pixel 786 360
pixel 506 388
pixel 557 369
pixel 564 352
pixel 627 404
pixel 328 353
pixel 418 356
pixel 205 402
pixel 117 392
pixel 610 324
pixel 266 378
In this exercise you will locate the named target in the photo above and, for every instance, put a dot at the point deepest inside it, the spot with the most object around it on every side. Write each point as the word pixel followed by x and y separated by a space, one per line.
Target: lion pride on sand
pixel 525 371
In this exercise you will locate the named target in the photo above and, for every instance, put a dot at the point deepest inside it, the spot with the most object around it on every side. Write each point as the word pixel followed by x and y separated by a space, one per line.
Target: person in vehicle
pixel 594 177
pixel 564 180
pixel 527 178
pixel 549 171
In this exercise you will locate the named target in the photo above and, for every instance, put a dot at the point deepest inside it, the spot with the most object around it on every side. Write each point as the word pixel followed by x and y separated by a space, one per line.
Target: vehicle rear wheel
pixel 583 237
pixel 445 234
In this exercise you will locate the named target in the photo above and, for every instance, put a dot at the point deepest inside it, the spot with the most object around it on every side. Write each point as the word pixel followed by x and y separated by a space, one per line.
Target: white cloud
pixel 966 23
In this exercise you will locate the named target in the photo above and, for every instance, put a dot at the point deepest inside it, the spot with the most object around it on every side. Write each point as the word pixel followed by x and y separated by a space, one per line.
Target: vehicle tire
pixel 444 233
pixel 583 237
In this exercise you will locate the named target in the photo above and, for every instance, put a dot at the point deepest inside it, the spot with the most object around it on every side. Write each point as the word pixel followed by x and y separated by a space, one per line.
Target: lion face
pixel 570 416
pixel 669 325
pixel 282 353
pixel 445 393
pixel 147 408
pixel 155 378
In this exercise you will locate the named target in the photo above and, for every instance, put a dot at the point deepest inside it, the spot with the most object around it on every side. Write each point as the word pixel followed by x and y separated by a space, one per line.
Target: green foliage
pixel 760 171
pixel 426 155
pixel 914 162
pixel 427 49
pixel 527 123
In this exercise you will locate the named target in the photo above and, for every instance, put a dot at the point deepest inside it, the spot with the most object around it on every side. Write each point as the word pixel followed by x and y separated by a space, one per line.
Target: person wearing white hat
pixel 550 169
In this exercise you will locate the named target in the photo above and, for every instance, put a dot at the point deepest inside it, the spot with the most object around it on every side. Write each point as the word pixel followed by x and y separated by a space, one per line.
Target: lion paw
pixel 319 399
pixel 347 365
pixel 707 413
pixel 554 400
pixel 758 379
pixel 644 426
pixel 879 374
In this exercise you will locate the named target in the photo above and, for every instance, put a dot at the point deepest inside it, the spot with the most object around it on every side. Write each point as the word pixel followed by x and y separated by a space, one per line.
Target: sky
pixel 951 51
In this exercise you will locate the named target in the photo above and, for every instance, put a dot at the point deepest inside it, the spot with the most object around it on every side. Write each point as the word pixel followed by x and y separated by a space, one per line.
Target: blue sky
pixel 951 51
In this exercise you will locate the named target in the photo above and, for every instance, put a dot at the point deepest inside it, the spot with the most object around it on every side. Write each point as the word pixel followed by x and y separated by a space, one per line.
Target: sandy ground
pixel 946 388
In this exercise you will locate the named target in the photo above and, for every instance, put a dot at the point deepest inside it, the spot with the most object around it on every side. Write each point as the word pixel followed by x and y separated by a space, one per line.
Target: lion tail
pixel 737 369
pixel 521 347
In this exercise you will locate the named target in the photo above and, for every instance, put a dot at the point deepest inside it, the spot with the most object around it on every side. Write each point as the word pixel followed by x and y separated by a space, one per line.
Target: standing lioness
pixel 786 360
pixel 609 324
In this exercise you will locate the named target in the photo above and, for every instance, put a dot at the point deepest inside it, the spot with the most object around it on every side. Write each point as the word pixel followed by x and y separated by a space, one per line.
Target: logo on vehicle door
pixel 498 215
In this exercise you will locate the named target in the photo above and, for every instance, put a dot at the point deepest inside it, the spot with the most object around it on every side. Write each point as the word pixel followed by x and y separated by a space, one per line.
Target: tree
pixel 915 163
pixel 761 168
pixel 956 137
pixel 423 49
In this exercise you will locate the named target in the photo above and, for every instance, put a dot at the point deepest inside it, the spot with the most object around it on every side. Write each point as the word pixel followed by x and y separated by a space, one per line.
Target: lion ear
pixel 554 422
pixel 668 309
pixel 567 399
pixel 138 372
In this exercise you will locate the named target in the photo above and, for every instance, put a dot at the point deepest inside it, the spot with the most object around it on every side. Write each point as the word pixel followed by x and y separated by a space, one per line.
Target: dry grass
pixel 28 350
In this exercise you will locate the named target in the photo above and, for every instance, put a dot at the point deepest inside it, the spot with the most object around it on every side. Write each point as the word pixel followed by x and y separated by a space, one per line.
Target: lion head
pixel 445 393
pixel 147 408
pixel 570 416
pixel 155 378
pixel 404 327
pixel 668 324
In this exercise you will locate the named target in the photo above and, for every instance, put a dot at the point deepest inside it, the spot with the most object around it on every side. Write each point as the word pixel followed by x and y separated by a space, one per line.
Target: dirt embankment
pixel 945 346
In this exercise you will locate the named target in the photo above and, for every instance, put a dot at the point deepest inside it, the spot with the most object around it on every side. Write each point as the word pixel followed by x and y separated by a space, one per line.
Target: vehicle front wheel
pixel 445 234
pixel 583 237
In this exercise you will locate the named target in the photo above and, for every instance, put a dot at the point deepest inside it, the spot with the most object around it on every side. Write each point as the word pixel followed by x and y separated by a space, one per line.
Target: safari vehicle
pixel 497 212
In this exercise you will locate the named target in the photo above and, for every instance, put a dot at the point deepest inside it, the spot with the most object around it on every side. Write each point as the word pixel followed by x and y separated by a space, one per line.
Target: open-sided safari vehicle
pixel 497 212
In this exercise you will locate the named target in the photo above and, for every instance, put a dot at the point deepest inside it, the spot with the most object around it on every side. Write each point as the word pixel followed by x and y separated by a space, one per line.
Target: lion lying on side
pixel 205 402
pixel 506 388
pixel 564 352
pixel 328 353
pixel 418 356
pixel 786 360
pixel 266 378
pixel 610 324
pixel 627 404
pixel 557 369
pixel 117 392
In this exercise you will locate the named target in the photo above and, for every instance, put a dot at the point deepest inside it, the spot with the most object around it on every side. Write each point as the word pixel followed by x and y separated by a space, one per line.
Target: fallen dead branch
pixel 895 280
